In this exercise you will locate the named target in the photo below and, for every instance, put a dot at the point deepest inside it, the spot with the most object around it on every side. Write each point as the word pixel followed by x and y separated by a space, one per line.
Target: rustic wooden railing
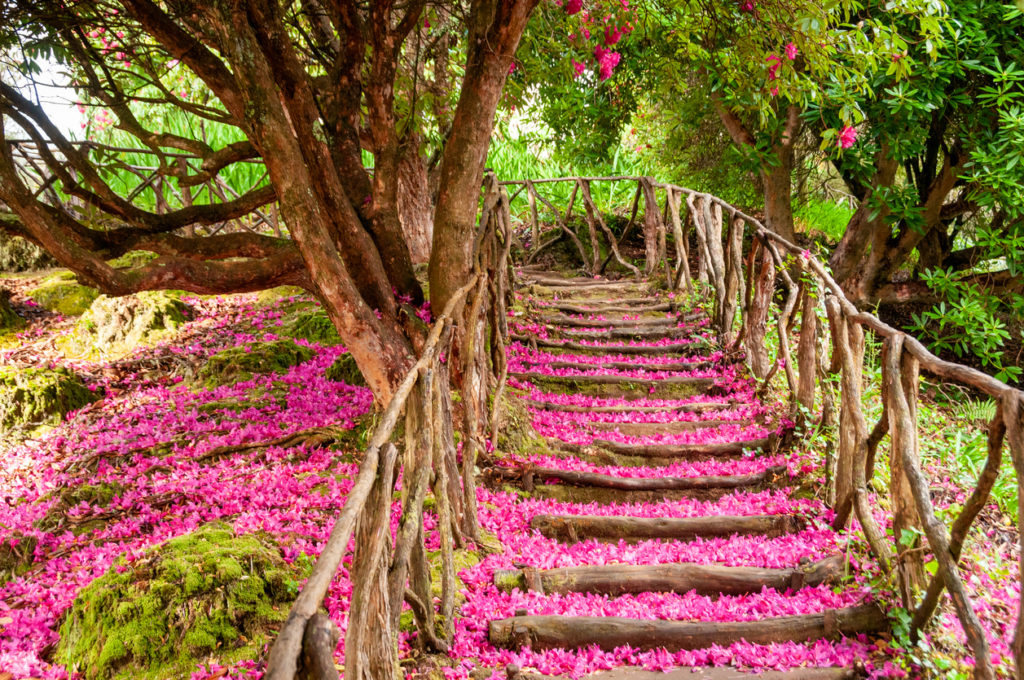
pixel 742 266
pixel 381 571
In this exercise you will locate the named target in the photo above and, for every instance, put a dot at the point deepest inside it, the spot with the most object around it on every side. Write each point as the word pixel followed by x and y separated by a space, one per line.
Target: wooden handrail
pixel 744 283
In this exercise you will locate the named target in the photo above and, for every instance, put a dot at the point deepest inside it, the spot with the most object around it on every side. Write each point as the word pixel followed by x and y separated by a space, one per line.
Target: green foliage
pixel 240 363
pixel 39 396
pixel 205 592
pixel 823 217
pixel 968 322
pixel 61 293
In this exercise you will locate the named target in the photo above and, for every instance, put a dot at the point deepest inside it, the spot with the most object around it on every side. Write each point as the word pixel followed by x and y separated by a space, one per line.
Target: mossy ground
pixel 344 369
pixel 39 396
pixel 313 326
pixel 241 363
pixel 9 319
pixel 61 293
pixel 206 593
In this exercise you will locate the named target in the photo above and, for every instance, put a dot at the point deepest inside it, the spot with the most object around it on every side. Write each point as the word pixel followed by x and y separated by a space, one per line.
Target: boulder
pixel 205 596
pixel 40 396
pixel 19 255
pixel 9 319
pixel 63 294
pixel 241 363
pixel 133 320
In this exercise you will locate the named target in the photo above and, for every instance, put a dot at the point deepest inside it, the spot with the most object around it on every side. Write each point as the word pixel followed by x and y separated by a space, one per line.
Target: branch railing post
pixel 384 576
pixel 903 357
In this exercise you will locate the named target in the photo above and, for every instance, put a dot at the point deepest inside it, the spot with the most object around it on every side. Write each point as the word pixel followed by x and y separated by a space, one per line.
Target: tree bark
pixel 415 207
pixel 495 29
pixel 622 579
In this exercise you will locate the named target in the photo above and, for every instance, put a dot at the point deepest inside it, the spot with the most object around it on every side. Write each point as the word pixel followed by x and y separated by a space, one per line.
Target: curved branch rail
pixel 741 264
pixel 385 575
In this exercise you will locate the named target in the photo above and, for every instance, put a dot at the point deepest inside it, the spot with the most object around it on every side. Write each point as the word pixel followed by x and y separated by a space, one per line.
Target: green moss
pixel 344 370
pixel 114 326
pixel 273 295
pixel 30 396
pixel 206 593
pixel 313 326
pixel 61 293
pixel 133 259
pixel 516 433
pixel 241 363
pixel 9 320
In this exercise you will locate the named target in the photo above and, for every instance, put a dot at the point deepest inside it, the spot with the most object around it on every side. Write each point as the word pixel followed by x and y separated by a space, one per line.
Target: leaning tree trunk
pixel 491 48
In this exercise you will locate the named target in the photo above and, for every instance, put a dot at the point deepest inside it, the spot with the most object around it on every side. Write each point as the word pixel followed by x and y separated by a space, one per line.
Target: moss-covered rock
pixel 19 255
pixel 119 324
pixel 344 369
pixel 241 363
pixel 9 319
pixel 38 396
pixel 202 594
pixel 62 293
pixel 312 326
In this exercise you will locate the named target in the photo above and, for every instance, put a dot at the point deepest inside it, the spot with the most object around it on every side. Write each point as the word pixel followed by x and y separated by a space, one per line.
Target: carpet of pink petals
pixel 269 489
pixel 293 495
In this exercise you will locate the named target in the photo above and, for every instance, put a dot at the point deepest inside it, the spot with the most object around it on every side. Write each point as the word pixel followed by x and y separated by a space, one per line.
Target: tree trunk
pixel 778 195
pixel 612 632
pixel 415 208
pixel 712 579
pixel 494 36
pixel 575 528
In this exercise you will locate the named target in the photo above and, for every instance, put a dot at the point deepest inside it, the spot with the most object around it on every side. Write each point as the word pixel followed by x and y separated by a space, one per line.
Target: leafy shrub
pixel 967 322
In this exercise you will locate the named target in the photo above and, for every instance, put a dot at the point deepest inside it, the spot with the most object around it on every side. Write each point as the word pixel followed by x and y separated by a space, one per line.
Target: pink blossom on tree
pixel 847 137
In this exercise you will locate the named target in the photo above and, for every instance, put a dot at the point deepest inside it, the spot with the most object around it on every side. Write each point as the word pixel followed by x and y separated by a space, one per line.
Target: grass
pixel 823 217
